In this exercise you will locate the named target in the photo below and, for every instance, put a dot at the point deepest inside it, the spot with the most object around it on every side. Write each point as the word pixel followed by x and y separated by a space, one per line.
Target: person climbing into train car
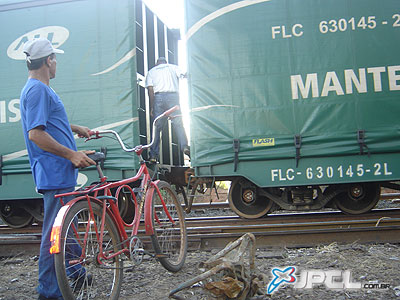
pixel 162 83
pixel 52 152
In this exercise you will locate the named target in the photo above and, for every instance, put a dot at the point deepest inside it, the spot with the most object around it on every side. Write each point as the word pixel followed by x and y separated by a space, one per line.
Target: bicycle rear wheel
pixel 170 238
pixel 80 275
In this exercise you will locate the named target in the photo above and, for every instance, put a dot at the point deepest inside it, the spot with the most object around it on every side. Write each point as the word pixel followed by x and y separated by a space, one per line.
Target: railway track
pixel 299 229
pixel 289 230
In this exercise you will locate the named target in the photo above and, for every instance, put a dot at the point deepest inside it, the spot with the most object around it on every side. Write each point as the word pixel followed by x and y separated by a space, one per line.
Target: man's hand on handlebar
pixel 82 131
pixel 81 160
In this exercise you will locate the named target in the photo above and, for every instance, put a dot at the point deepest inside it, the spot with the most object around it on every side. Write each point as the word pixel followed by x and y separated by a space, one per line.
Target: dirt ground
pixel 371 264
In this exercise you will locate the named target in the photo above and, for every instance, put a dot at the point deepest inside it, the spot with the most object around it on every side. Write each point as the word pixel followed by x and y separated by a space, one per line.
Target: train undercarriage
pixel 245 198
pixel 250 201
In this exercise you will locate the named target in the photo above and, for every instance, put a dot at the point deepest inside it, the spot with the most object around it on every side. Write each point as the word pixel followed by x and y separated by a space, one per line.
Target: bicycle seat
pixel 97 157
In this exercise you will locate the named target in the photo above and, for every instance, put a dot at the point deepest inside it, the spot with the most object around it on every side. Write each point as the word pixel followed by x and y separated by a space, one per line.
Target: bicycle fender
pixel 55 235
pixel 148 206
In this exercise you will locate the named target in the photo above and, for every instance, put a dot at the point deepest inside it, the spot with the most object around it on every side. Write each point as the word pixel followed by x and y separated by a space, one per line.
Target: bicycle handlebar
pixel 139 147
pixel 169 111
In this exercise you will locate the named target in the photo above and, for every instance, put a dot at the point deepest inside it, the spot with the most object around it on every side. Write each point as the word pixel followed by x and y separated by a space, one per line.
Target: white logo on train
pixel 57 35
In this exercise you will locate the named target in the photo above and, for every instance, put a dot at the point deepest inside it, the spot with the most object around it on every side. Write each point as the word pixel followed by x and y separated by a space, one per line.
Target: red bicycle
pixel 91 241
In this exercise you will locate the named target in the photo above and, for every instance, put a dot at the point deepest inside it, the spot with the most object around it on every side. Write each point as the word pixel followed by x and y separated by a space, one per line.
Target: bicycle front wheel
pixel 81 272
pixel 170 237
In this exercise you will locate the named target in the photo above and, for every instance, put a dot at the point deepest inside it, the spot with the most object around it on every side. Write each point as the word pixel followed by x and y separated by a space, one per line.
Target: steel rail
pixel 284 230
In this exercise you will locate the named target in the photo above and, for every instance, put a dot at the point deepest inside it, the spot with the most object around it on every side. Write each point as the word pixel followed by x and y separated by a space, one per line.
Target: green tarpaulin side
pixel 101 33
pixel 244 58
pixel 96 80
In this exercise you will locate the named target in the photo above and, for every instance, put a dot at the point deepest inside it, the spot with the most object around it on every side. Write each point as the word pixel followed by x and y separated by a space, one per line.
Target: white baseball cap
pixel 38 48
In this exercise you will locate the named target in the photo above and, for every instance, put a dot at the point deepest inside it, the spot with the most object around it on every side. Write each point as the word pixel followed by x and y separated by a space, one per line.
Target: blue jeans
pixel 163 102
pixel 48 286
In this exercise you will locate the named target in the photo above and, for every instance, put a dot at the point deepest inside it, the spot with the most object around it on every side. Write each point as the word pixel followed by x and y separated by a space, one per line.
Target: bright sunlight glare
pixel 171 12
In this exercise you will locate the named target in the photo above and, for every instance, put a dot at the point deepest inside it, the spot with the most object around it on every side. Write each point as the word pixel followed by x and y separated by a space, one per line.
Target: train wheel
pixel 246 202
pixel 14 215
pixel 359 198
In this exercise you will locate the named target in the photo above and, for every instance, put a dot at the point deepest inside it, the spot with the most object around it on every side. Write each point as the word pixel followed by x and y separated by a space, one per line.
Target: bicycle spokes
pixel 90 269
pixel 169 239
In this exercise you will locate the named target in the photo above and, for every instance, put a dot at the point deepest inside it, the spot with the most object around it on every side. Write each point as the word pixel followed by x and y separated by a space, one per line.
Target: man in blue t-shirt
pixel 51 148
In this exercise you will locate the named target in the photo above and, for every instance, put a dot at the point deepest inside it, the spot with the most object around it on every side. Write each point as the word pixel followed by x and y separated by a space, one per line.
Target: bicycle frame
pixel 109 204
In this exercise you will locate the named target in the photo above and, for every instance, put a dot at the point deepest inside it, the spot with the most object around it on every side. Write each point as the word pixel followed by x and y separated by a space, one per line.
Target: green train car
pixel 109 47
pixel 296 102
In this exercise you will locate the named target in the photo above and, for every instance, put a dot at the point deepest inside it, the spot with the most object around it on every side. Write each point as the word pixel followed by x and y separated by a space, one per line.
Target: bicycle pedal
pixel 149 253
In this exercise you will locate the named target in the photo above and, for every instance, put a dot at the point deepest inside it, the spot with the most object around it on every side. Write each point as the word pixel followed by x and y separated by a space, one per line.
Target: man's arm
pixel 150 91
pixel 47 143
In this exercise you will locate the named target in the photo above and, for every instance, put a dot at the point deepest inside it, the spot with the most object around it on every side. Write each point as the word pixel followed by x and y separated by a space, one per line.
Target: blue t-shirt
pixel 41 106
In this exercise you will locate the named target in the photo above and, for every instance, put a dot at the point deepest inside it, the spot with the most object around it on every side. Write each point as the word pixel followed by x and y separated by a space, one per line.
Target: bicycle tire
pixel 169 240
pixel 104 283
